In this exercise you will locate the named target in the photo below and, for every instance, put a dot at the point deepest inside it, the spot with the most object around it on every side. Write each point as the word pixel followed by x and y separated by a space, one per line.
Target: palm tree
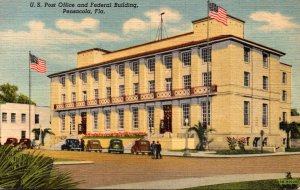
pixel 289 128
pixel 201 130
pixel 19 170
pixel 38 132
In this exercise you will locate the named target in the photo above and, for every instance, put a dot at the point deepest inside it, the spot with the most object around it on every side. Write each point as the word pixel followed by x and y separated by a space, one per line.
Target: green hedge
pixel 232 152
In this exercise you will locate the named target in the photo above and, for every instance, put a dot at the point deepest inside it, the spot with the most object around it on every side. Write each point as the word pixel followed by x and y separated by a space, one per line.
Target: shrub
pixel 241 143
pixel 232 142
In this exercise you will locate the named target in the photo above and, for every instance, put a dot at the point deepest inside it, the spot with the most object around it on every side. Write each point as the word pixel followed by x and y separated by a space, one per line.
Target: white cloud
pixel 39 35
pixel 87 23
pixel 274 21
pixel 152 20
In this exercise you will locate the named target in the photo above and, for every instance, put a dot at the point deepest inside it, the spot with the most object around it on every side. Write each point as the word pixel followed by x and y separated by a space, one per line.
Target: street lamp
pixel 186 150
pixel 262 142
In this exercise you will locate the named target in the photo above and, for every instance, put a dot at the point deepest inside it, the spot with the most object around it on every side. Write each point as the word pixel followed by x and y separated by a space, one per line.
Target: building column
pixel 159 74
pixel 195 113
pixel 195 68
pixel 89 121
pixel 78 87
pixel 127 118
pixel 77 121
pixel 114 81
pixel 114 119
pixel 158 116
pixel 176 117
pixel 67 89
pixel 102 83
pixel 128 79
pixel 143 123
pixel 143 82
pixel 176 71
pixel 101 119
pixel 90 86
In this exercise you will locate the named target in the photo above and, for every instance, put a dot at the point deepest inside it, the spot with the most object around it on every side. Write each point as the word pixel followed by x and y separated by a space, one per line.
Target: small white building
pixel 14 120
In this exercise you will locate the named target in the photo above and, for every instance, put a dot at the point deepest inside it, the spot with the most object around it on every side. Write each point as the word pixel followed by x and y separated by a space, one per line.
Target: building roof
pixel 93 49
pixel 180 46
pixel 205 18
pixel 286 64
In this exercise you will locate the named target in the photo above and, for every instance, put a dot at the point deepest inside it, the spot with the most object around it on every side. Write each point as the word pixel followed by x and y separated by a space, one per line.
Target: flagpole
pixel 29 83
pixel 207 70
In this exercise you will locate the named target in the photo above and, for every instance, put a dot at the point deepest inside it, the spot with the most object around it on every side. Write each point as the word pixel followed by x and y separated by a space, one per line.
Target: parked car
pixel 141 146
pixel 116 145
pixel 71 144
pixel 93 145
pixel 25 143
pixel 11 142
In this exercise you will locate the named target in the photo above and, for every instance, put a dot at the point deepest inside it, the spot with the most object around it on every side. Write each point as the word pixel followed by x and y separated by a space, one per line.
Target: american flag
pixel 37 64
pixel 218 13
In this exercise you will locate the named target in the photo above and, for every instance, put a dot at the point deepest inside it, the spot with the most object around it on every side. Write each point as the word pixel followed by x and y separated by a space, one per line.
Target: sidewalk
pixel 195 182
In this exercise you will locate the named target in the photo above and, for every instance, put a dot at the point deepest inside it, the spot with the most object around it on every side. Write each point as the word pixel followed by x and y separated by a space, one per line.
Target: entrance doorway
pixel 82 126
pixel 166 125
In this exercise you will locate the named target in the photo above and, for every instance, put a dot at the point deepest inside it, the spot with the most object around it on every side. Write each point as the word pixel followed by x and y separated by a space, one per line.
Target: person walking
pixel 158 150
pixel 153 149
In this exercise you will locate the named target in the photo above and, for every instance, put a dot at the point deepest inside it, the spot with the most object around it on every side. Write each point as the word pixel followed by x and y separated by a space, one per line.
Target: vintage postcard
pixel 149 94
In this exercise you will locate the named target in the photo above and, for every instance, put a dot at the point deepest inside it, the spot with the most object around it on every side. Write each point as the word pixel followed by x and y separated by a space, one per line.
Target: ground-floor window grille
pixel 185 115
pixel 95 116
pixel 135 117
pixel 121 118
pixel 63 122
pixel 107 119
pixel 72 115
pixel 150 116
pixel 204 114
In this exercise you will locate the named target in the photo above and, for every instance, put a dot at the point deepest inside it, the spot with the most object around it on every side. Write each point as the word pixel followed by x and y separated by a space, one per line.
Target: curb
pixel 72 162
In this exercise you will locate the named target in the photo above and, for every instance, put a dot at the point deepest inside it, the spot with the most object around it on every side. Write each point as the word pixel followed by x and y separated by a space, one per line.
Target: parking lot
pixel 111 169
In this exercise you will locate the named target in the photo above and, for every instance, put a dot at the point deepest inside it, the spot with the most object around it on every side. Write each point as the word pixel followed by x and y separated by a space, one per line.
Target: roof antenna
pixel 161 28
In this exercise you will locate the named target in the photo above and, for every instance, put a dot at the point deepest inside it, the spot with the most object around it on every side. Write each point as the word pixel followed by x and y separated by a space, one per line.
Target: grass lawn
pixel 231 152
pixel 292 149
pixel 271 184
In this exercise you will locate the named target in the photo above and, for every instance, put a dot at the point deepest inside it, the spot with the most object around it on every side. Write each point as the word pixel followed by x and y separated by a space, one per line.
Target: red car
pixel 11 142
pixel 25 143
pixel 141 146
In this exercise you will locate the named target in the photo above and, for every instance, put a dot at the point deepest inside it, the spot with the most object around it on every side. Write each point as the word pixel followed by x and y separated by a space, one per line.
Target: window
pixel 95 123
pixel 247 79
pixel 121 70
pixel 283 141
pixel 284 95
pixel 63 122
pixel 4 117
pixel 13 117
pixel 151 86
pixel 23 134
pixel 63 81
pixel 107 119
pixel 185 114
pixel 206 54
pixel 246 54
pixel 108 72
pixel 265 60
pixel 204 114
pixel 108 92
pixel 151 64
pixel 206 79
pixel 168 84
pixel 186 58
pixel 83 77
pixel 36 118
pixel 84 98
pixel 246 113
pixel 136 88
pixel 265 115
pixel 265 83
pixel 135 67
pixel 284 116
pixel 284 77
pixel 95 74
pixel 121 119
pixel 73 79
pixel 72 116
pixel 23 118
pixel 121 90
pixel 150 112
pixel 63 98
pixel 187 81
pixel 135 117
pixel 96 94
pixel 168 61
pixel 73 96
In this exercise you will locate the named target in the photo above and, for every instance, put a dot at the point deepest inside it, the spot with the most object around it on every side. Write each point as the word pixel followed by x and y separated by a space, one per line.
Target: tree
pixel 201 131
pixel 8 94
pixel 294 112
pixel 43 133
pixel 289 128
pixel 19 170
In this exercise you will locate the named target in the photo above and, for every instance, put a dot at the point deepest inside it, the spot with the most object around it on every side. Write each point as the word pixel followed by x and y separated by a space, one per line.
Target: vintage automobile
pixel 25 143
pixel 141 146
pixel 11 142
pixel 116 145
pixel 93 145
pixel 71 144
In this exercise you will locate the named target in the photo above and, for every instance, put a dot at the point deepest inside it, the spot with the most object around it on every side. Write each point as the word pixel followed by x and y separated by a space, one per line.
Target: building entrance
pixel 82 126
pixel 166 124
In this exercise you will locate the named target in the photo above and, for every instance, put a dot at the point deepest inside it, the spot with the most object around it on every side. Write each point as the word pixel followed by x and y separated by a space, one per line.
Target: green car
pixel 116 145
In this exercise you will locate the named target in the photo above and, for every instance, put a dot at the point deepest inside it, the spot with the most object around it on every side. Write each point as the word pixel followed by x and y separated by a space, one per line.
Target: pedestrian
pixel 82 144
pixel 152 148
pixel 158 150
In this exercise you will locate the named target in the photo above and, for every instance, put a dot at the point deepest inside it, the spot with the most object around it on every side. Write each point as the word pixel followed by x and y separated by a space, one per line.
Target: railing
pixel 194 91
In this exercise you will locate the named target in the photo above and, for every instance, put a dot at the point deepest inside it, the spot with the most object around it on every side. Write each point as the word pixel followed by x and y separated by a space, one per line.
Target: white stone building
pixel 14 120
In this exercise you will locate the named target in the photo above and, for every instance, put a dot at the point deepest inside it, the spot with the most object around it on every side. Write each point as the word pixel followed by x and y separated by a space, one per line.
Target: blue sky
pixel 57 37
